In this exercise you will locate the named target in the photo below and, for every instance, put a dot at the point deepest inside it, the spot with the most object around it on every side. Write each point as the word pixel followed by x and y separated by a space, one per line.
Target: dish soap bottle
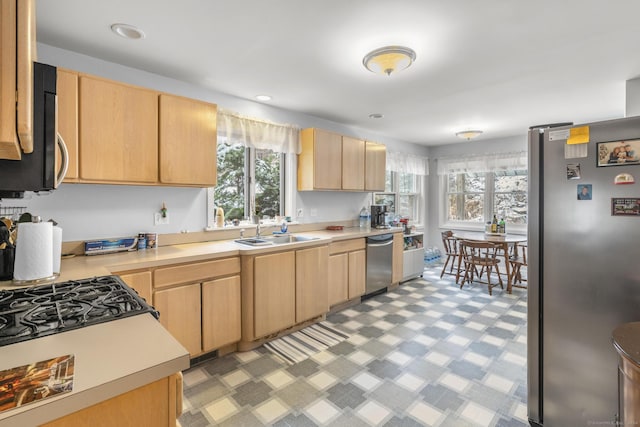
pixel 220 218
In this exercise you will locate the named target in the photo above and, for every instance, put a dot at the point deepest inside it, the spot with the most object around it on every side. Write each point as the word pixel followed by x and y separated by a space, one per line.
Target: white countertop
pixel 111 358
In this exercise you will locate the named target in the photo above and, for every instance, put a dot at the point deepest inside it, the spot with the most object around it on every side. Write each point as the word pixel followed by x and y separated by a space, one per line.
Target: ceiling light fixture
pixel 468 134
pixel 263 97
pixel 376 115
pixel 128 31
pixel 389 59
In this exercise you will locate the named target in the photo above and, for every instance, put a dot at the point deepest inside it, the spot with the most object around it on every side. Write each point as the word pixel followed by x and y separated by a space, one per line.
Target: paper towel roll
pixel 57 248
pixel 34 251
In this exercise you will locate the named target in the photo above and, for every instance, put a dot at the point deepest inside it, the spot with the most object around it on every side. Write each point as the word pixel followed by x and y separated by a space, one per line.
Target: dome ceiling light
pixel 468 134
pixel 389 59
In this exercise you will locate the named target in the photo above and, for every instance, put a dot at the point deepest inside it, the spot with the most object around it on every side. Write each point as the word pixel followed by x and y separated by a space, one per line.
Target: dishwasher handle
pixel 377 245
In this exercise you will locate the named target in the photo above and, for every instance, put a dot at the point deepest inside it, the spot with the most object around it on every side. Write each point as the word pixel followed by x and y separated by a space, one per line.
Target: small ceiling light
pixel 468 134
pixel 128 31
pixel 376 115
pixel 263 97
pixel 389 59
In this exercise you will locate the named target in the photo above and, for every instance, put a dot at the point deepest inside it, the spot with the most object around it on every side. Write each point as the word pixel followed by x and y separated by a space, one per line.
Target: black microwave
pixel 36 171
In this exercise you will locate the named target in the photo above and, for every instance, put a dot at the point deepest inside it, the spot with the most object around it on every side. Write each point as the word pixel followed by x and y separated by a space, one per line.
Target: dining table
pixel 504 240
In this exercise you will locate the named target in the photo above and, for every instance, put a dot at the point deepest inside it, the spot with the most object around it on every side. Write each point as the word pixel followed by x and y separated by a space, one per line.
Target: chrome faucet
pixel 258 230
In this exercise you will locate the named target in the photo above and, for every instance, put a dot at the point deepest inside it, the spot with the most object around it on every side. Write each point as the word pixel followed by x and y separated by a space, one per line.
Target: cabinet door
pixel 67 91
pixel 180 314
pixel 375 166
pixel 140 282
pixel 320 162
pixel 357 273
pixel 274 293
pixel 352 163
pixel 220 312
pixel 9 146
pixel 398 257
pixel 118 132
pixel 338 278
pixel 187 141
pixel 312 282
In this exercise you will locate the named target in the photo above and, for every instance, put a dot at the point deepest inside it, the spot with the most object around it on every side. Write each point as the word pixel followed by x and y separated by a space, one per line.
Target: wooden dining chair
pixel 517 261
pixel 483 255
pixel 450 244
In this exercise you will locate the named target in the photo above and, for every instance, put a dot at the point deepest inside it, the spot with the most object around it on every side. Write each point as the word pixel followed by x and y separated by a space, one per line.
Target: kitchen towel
pixel 34 251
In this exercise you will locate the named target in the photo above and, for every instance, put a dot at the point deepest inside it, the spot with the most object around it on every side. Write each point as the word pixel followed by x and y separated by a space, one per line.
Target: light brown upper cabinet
pixel 118 132
pixel 187 141
pixel 330 161
pixel 375 166
pixel 320 162
pixel 67 90
pixel 17 53
pixel 352 164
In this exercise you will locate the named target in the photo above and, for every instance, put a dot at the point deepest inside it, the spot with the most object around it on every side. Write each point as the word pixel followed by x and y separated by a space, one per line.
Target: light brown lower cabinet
pixel 282 289
pixel 347 270
pixel 398 258
pixel 220 312
pixel 156 404
pixel 199 303
pixel 312 290
pixel 274 303
pixel 140 282
pixel 180 313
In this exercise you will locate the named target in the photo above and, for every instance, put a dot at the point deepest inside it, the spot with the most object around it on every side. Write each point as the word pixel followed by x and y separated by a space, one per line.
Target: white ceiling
pixel 497 65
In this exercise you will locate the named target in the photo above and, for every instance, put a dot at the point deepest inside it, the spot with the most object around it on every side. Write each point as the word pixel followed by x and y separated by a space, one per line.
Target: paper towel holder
pixel 40 280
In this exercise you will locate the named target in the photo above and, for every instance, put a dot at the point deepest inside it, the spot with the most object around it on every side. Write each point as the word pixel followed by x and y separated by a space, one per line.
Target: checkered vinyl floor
pixel 424 354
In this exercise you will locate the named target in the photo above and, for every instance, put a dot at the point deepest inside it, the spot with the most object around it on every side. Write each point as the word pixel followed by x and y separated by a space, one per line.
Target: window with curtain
pixel 403 186
pixel 251 166
pixel 475 189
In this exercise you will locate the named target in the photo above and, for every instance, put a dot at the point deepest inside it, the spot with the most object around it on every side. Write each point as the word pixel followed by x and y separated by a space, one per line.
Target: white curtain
pixel 256 133
pixel 482 163
pixel 407 163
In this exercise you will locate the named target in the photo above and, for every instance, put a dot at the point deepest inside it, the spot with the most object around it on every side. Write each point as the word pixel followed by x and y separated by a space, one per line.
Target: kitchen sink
pixel 275 240
pixel 254 242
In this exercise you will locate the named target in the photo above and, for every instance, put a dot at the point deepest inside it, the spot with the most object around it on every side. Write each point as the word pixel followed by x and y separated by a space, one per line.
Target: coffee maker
pixel 378 214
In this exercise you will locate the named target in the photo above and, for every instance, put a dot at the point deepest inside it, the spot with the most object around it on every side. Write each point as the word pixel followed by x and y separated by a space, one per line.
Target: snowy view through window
pixel 476 197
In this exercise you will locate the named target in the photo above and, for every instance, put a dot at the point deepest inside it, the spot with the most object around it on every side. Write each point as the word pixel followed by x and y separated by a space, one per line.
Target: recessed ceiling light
pixel 263 97
pixel 376 115
pixel 128 31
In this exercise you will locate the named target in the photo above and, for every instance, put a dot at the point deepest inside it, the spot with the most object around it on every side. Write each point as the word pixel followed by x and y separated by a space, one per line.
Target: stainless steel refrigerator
pixel 584 268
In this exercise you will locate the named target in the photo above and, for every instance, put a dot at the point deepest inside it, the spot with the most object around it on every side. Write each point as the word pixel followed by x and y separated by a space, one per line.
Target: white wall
pixel 502 145
pixel 632 99
pixel 102 211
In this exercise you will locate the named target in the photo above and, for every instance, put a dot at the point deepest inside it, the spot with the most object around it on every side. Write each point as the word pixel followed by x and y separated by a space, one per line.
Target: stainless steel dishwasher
pixel 379 256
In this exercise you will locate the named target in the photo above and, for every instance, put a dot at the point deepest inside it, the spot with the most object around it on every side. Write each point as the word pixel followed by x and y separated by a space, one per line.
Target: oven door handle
pixel 64 160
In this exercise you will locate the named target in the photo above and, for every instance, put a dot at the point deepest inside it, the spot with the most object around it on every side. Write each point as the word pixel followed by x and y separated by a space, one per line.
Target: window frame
pixel 419 185
pixel 488 206
pixel 250 155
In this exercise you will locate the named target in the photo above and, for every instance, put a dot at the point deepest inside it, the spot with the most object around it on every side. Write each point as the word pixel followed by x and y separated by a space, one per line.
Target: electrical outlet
pixel 314 212
pixel 158 219
pixel 299 213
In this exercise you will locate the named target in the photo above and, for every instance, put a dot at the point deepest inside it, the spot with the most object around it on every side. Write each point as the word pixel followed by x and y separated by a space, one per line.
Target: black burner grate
pixel 49 309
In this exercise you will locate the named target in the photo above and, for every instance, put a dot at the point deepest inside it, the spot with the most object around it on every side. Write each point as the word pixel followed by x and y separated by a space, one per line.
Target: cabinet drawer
pixel 195 272
pixel 346 246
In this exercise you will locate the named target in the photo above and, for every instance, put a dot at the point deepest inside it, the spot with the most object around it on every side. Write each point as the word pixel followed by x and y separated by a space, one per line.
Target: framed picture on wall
pixel 619 153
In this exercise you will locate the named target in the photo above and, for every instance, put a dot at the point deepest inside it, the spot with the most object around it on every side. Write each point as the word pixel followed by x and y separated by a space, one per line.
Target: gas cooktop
pixel 39 311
